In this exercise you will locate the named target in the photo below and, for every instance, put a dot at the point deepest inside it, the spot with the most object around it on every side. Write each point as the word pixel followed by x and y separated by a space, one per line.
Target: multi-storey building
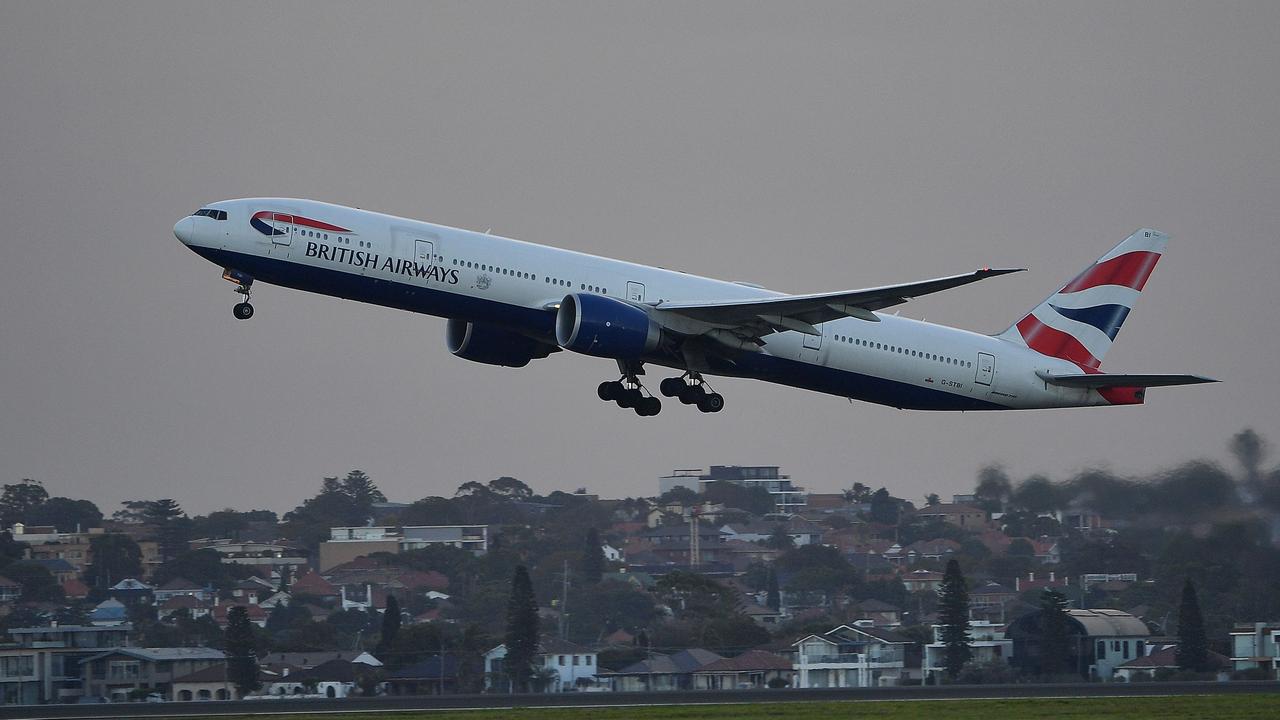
pixel 42 664
pixel 858 655
pixel 348 543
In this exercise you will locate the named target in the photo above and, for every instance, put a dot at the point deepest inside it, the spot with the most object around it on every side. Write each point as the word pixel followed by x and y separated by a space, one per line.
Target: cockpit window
pixel 211 213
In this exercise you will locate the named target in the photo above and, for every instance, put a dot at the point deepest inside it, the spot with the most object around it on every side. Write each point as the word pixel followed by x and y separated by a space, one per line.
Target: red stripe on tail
pixel 1129 270
pixel 1055 343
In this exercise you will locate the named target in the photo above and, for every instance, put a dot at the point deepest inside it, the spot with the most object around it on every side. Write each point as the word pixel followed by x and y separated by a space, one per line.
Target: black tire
pixel 628 398
pixel 671 387
pixel 692 394
pixel 606 390
pixel 242 311
pixel 652 406
pixel 711 403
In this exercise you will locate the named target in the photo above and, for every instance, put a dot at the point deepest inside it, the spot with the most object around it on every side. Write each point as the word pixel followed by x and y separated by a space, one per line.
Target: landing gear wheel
pixel 691 394
pixel 711 403
pixel 630 398
pixel 648 407
pixel 671 387
pixel 609 390
pixel 242 311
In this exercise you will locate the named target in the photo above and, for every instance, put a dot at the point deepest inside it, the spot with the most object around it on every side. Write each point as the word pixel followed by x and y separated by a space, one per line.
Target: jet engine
pixel 605 327
pixel 493 345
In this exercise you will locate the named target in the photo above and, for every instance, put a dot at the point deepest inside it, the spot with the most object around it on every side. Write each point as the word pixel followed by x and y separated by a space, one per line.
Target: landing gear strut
pixel 627 392
pixel 691 389
pixel 244 283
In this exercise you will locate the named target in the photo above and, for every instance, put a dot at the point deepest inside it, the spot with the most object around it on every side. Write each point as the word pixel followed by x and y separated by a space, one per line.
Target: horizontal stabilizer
pixel 1105 380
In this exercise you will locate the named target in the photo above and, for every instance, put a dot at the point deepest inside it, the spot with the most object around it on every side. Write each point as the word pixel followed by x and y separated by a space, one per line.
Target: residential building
pixel 661 672
pixel 962 516
pixel 751 669
pixel 788 498
pixel 801 531
pixel 566 664
pixel 858 655
pixel 918 580
pixel 1045 582
pixel 348 543
pixel 42 665
pixel 207 683
pixel 10 590
pixel 1165 658
pixel 181 586
pixel 987 643
pixel 118 672
pixel 880 613
pixel 273 557
pixel 433 676
pixel 1256 646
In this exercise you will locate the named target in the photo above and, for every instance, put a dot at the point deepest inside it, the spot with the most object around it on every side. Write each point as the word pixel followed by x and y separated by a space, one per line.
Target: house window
pixel 561 661
pixel 575 660
pixel 1102 649
pixel 1124 646
pixel 123 670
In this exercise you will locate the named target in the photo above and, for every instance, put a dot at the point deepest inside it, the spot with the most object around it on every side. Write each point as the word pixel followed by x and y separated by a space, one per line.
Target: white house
pixel 566 665
pixel 987 644
pixel 858 655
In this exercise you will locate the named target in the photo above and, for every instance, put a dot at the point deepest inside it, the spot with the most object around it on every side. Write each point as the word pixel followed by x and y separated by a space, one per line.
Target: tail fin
pixel 1080 321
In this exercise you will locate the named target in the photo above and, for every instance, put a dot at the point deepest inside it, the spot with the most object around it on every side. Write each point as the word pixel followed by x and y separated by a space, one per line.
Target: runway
pixel 571 700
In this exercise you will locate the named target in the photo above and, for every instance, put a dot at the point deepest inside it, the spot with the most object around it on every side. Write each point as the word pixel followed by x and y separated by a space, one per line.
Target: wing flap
pixel 1106 380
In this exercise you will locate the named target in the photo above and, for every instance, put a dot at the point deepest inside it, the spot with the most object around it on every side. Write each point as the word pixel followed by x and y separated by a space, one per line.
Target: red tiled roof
pixel 313 584
pixel 73 588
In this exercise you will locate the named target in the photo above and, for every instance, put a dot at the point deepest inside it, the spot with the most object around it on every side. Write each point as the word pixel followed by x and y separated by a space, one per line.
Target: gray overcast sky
pixel 806 147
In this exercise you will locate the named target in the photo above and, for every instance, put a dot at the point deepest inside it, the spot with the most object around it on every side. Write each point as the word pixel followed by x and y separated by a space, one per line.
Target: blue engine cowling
pixel 493 345
pixel 605 327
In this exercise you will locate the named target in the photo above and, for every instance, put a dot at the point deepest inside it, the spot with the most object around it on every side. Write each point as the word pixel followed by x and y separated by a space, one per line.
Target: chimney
pixel 1031 576
pixel 1051 576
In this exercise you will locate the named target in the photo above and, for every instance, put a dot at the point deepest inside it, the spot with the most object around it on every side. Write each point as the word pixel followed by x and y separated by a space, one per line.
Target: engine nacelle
pixel 605 327
pixel 493 345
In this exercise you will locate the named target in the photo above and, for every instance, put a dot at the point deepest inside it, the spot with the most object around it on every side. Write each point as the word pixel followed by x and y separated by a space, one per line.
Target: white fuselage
pixel 484 278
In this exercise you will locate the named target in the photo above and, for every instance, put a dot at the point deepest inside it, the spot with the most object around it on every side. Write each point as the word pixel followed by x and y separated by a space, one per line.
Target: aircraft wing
pixel 761 316
pixel 1106 380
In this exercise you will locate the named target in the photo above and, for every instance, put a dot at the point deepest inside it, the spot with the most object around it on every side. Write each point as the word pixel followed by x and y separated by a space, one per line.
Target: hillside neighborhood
pixel 728 577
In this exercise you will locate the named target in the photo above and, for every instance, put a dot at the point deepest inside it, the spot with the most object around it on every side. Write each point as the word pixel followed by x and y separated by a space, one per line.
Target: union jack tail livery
pixel 1079 322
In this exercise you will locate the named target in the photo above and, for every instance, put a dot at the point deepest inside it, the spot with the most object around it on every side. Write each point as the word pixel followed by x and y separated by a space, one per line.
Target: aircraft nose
pixel 185 230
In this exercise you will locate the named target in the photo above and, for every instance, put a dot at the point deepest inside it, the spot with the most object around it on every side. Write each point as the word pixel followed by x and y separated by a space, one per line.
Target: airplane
pixel 510 302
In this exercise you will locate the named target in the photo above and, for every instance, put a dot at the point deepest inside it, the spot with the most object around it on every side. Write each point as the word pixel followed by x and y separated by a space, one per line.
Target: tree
pixel 859 493
pixel 780 539
pixel 993 489
pixel 522 630
pixel 37 582
pixel 390 624
pixel 932 499
pixel 1249 450
pixel 242 663
pixel 510 488
pixel 1193 646
pixel 884 507
pixel 1055 641
pixel 115 557
pixel 953 615
pixel 359 488
pixel 679 494
pixel 773 596
pixel 20 497
pixel 1036 494
pixel 592 563
pixel 171 525
pixel 65 514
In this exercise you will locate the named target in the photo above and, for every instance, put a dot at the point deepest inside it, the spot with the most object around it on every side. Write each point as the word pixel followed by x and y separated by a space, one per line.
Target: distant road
pixel 695 697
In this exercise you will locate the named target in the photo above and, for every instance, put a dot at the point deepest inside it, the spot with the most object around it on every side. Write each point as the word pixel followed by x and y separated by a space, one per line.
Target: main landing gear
pixel 629 393
pixel 691 389
pixel 244 283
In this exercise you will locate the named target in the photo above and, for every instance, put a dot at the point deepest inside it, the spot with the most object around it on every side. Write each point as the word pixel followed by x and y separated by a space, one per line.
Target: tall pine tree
pixel 773 595
pixel 1193 646
pixel 390 627
pixel 1055 640
pixel 522 630
pixel 242 663
pixel 953 615
pixel 592 566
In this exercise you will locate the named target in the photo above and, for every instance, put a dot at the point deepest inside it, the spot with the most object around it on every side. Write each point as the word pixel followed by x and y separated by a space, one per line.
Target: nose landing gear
pixel 691 389
pixel 242 310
